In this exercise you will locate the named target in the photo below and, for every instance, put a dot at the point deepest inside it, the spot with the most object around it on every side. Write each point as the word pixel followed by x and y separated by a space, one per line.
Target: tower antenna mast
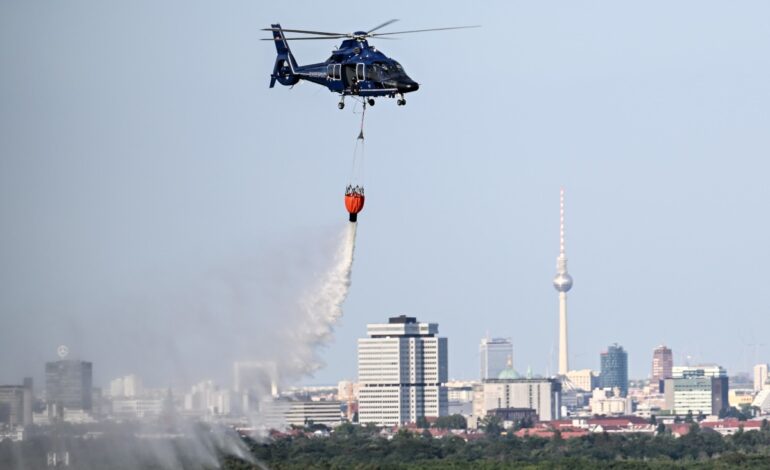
pixel 562 282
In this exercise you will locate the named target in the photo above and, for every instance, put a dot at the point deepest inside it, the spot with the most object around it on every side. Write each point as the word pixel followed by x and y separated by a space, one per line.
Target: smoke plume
pixel 279 309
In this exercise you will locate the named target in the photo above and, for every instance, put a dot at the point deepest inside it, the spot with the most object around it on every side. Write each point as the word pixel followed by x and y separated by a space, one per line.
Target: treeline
pixel 363 448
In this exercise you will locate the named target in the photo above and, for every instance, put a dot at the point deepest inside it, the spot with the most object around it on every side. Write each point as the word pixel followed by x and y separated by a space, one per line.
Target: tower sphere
pixel 562 282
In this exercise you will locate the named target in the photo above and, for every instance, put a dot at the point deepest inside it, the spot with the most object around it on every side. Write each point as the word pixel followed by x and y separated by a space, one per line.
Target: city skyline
pixel 189 279
pixel 266 375
pixel 146 231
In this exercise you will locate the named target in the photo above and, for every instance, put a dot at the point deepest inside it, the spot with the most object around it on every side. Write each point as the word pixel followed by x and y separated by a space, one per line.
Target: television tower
pixel 562 283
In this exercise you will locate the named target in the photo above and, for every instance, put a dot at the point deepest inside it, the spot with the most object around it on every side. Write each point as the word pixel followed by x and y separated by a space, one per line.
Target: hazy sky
pixel 146 167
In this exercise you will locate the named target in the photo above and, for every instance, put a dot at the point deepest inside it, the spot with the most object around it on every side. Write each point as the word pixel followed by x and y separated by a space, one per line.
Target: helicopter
pixel 354 69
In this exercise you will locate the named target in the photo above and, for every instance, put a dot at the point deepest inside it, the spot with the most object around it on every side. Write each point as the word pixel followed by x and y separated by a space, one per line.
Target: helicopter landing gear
pixel 341 104
pixel 370 101
pixel 401 101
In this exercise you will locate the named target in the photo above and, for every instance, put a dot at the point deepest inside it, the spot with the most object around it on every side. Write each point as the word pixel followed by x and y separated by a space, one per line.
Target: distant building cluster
pixel 403 380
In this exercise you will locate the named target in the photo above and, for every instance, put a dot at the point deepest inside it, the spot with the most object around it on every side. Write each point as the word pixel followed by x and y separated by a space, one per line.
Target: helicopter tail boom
pixel 285 67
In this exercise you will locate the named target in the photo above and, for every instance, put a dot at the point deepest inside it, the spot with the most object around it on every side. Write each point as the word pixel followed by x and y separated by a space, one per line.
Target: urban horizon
pixel 525 233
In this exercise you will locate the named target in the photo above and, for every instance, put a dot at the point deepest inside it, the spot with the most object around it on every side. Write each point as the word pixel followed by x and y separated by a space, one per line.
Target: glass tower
pixel 495 353
pixel 614 369
pixel 68 383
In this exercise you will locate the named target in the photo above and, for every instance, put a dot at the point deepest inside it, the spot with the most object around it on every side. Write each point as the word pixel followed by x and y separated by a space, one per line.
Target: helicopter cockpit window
pixel 391 70
pixel 378 70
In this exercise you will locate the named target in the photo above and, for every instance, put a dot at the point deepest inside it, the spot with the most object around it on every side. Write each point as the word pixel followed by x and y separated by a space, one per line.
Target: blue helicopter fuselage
pixel 355 68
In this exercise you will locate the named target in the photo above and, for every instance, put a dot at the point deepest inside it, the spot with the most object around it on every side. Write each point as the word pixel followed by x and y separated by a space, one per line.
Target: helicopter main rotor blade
pixel 308 38
pixel 423 30
pixel 303 31
pixel 380 26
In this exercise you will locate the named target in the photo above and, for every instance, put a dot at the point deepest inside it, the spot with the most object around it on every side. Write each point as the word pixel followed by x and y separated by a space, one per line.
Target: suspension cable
pixel 358 161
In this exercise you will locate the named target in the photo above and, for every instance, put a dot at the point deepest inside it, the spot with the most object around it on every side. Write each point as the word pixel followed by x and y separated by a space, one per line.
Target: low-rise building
pixel 731 426
pixel 510 417
pixel 14 434
pixel 281 413
pixel 328 413
pixel 740 397
pixel 539 394
pixel 607 402
pixel 137 408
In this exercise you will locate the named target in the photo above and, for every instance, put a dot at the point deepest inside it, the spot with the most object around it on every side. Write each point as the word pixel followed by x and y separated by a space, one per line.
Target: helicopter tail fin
pixel 281 45
pixel 285 65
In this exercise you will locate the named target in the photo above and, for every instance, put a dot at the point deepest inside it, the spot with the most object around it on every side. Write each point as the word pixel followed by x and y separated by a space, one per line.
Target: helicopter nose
pixel 406 87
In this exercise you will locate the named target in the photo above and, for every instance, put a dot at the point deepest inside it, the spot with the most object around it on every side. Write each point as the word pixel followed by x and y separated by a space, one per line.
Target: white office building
pixel 207 398
pixel 135 408
pixel 323 412
pixel 402 371
pixel 280 413
pixel 494 354
pixel 129 386
pixel 697 389
pixel 607 402
pixel 760 376
pixel 541 395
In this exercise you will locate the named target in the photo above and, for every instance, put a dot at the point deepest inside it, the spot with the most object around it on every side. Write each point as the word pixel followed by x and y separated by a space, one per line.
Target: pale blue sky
pixel 141 151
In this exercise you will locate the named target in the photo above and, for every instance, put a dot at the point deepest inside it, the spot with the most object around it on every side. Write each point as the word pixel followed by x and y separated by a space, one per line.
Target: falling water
pixel 322 305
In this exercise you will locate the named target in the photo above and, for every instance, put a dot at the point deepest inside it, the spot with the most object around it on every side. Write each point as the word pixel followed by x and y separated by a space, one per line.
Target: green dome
pixel 508 373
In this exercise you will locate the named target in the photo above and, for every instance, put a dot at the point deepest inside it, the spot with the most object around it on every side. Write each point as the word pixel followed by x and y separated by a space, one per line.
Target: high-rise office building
pixel 662 364
pixel 697 389
pixel 562 283
pixel 494 354
pixel 16 404
pixel 68 383
pixel 614 369
pixel 402 369
pixel 760 376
